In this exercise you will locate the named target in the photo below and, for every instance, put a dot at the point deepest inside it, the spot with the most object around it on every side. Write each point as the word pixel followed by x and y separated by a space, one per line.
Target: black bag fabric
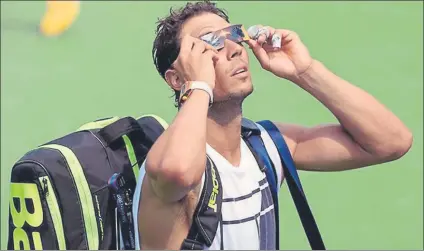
pixel 59 194
pixel 207 216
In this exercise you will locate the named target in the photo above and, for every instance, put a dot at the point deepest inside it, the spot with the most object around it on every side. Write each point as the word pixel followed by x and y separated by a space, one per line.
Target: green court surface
pixel 102 67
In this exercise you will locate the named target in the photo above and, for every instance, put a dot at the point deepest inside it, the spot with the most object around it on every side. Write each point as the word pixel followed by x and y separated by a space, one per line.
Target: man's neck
pixel 224 130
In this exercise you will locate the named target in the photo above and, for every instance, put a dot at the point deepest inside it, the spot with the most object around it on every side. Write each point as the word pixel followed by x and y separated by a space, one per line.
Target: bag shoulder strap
pixel 295 187
pixel 137 134
pixel 207 215
pixel 251 134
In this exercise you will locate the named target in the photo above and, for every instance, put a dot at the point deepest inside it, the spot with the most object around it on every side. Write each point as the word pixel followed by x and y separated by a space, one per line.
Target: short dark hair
pixel 166 45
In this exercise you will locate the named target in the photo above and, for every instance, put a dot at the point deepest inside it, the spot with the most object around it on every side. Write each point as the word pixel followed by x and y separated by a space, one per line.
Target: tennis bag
pixel 76 192
pixel 69 193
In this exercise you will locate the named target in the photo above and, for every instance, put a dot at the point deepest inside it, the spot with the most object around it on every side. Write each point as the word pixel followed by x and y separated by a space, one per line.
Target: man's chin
pixel 235 97
pixel 245 92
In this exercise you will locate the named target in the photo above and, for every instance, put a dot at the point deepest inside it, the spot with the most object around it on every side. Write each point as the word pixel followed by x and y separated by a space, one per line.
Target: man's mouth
pixel 239 70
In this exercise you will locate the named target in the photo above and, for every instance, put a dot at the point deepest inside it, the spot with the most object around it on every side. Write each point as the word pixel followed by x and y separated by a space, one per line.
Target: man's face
pixel 229 85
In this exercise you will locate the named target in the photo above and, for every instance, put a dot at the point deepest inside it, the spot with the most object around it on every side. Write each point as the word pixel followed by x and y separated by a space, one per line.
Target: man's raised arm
pixel 368 132
pixel 176 162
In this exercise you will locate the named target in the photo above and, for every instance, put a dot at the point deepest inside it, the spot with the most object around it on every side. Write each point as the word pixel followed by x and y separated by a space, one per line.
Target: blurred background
pixel 103 67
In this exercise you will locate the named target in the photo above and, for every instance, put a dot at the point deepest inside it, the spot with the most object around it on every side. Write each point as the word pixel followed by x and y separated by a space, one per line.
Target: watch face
pixel 185 87
pixel 185 92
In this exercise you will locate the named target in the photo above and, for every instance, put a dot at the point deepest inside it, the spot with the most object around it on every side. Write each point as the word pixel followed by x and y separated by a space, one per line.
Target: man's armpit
pixel 291 134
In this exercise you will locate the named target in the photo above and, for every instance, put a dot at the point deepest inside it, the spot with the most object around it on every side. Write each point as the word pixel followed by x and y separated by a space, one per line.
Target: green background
pixel 102 66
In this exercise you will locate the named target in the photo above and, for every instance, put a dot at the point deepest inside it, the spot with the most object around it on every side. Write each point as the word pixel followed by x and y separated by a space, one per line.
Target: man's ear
pixel 173 79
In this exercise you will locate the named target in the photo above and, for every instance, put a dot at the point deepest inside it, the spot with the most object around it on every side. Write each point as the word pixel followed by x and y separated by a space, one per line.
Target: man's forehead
pixel 202 24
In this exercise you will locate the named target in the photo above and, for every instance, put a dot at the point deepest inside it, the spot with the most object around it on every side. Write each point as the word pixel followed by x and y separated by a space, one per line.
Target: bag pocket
pixel 35 221
pixel 51 204
pixel 105 215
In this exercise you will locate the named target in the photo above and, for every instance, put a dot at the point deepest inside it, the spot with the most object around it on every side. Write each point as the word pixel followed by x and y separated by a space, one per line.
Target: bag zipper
pixel 53 206
pixel 49 195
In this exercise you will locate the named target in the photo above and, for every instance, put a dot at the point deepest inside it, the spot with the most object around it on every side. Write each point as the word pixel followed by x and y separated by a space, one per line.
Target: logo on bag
pixel 26 194
pixel 215 191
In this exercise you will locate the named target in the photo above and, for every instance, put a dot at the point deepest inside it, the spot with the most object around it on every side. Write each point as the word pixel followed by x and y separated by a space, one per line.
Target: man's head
pixel 198 19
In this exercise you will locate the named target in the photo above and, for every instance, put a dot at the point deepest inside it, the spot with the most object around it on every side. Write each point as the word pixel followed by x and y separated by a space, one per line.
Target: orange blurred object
pixel 59 16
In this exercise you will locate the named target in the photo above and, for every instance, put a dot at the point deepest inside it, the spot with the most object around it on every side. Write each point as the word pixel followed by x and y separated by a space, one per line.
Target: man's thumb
pixel 259 52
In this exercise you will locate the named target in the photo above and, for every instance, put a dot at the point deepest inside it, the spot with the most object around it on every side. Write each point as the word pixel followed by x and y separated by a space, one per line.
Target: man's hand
pixel 368 132
pixel 289 61
pixel 196 61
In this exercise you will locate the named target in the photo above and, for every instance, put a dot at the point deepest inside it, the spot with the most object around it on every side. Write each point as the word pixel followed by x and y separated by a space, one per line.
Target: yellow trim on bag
pixel 84 194
pixel 98 124
pixel 131 155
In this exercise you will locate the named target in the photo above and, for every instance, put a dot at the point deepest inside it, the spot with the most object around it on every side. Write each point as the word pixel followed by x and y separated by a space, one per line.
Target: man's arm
pixel 368 132
pixel 177 160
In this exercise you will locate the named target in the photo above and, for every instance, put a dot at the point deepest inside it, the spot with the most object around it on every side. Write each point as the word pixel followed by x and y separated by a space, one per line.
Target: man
pixel 209 124
pixel 58 17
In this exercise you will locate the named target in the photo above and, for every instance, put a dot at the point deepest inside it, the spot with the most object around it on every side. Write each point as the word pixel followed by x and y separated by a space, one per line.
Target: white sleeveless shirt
pixel 242 197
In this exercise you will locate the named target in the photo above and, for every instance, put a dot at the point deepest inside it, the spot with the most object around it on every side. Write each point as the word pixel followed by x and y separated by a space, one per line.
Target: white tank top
pixel 242 204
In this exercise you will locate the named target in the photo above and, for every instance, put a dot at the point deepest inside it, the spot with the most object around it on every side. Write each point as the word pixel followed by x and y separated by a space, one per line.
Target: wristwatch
pixel 188 88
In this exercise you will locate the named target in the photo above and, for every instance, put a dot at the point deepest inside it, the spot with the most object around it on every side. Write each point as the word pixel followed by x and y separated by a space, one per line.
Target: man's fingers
pixel 271 31
pixel 260 53
pixel 198 47
pixel 212 55
pixel 210 51
pixel 210 47
pixel 262 34
pixel 287 36
pixel 271 35
pixel 276 39
pixel 262 39
pixel 186 44
pixel 284 33
pixel 252 43
pixel 267 36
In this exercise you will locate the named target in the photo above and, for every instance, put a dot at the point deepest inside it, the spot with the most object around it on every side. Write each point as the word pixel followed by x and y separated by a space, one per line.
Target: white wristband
pixel 199 85
pixel 188 88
